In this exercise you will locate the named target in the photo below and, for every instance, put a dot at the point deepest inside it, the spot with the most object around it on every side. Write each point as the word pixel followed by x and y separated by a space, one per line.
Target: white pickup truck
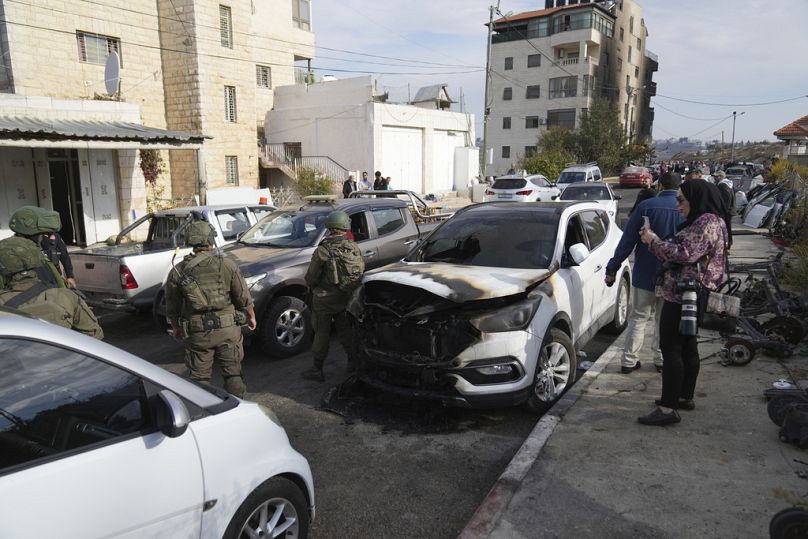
pixel 129 276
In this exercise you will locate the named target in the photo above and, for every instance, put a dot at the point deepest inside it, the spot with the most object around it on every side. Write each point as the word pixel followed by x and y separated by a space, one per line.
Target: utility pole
pixel 732 155
pixel 487 84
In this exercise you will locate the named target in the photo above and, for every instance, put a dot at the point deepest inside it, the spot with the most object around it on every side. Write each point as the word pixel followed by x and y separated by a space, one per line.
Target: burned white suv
pixel 491 308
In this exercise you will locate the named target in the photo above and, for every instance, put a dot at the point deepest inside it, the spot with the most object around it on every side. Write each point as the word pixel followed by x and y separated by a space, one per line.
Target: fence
pixel 283 154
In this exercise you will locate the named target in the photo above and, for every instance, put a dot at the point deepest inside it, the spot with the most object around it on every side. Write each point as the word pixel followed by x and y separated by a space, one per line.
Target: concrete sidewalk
pixel 589 469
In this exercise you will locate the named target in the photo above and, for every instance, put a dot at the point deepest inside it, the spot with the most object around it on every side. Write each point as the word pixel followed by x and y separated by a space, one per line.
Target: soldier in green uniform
pixel 20 259
pixel 206 300
pixel 334 273
pixel 35 224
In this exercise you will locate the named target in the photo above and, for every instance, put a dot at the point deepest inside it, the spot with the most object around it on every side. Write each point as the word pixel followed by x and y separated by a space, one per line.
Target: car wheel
pixel 275 509
pixel 159 312
pixel 286 327
pixel 621 308
pixel 555 371
pixel 790 522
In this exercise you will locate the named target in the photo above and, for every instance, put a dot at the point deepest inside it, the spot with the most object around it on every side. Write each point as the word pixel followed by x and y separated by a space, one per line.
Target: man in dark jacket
pixel 645 193
pixel 726 189
pixel 348 186
pixel 663 216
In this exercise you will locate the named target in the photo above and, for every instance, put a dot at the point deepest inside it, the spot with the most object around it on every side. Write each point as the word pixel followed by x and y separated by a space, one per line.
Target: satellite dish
pixel 112 73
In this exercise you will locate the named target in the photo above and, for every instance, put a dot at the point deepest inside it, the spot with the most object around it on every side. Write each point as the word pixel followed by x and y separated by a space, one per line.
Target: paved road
pixel 383 467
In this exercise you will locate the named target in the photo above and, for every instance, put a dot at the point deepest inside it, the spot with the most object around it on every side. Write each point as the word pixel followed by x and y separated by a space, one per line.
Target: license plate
pixel 504 196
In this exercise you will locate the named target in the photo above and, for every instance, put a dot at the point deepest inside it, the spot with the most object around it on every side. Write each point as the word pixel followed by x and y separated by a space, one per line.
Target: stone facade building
pixel 548 65
pixel 195 68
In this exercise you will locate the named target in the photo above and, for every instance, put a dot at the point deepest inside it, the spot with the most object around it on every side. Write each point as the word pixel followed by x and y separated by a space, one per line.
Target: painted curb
pixel 491 509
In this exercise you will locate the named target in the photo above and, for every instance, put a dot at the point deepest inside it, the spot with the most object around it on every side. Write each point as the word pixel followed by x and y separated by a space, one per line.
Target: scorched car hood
pixel 459 283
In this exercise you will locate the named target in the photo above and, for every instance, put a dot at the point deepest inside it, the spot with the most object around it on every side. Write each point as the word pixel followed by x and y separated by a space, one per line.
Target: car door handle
pixel 410 242
pixel 369 254
pixel 598 268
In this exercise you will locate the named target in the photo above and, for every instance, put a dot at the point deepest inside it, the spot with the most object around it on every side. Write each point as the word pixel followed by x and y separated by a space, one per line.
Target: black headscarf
pixel 704 197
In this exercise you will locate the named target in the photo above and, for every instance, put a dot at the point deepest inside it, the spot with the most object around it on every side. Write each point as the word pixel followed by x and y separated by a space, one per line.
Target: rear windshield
pixel 572 177
pixel 582 193
pixel 493 238
pixel 633 170
pixel 736 171
pixel 509 183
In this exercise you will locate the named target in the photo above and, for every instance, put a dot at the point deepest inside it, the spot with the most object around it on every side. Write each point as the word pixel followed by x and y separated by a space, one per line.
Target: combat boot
pixel 235 386
pixel 314 373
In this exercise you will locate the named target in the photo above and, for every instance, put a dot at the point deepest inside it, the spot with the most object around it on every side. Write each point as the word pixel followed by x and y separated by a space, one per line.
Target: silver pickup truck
pixel 130 275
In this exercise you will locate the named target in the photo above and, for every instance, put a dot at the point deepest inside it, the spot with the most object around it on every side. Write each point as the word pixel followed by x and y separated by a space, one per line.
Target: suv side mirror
pixel 579 252
pixel 172 415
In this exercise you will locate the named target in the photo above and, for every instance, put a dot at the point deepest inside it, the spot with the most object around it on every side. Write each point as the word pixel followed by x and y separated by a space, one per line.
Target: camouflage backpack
pixel 202 283
pixel 345 265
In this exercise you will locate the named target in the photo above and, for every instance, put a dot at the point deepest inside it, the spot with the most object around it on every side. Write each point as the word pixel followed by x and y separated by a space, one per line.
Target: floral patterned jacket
pixel 698 252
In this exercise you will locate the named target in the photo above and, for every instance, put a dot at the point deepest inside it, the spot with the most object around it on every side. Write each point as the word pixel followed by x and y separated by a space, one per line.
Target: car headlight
pixel 252 279
pixel 511 318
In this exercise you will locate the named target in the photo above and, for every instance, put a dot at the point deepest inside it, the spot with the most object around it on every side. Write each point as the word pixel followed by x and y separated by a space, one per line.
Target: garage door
pixel 402 157
pixel 443 151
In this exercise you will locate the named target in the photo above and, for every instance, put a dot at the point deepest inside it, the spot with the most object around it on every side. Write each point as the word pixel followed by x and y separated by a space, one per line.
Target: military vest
pixel 345 266
pixel 202 281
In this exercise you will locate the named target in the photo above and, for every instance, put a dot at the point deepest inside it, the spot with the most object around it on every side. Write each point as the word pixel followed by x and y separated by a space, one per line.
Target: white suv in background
pixel 589 172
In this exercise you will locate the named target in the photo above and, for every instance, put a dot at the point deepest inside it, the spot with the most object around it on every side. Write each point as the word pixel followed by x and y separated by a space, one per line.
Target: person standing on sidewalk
pixel 664 218
pixel 698 253
pixel 335 271
pixel 645 193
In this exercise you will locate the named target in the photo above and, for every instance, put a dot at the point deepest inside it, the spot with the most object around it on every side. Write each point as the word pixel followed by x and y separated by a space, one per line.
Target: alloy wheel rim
pixel 290 327
pixel 273 518
pixel 554 372
pixel 622 304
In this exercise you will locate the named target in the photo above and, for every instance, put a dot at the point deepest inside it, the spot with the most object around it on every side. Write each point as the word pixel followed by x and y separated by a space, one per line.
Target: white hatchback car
pixel 491 309
pixel 95 442
pixel 599 192
pixel 532 188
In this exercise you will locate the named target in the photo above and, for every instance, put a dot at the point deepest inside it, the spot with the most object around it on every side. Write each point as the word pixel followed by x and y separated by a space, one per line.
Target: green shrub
pixel 795 273
pixel 310 182
pixel 549 163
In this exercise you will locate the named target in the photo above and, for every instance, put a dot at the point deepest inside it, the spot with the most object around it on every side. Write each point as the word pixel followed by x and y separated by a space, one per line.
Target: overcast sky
pixel 734 52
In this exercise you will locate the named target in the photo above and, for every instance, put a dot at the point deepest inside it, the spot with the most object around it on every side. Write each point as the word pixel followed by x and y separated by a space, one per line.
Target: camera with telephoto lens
pixel 689 321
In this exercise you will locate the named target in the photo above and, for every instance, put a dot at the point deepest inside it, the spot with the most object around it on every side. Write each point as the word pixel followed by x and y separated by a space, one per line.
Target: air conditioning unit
pixel 542 121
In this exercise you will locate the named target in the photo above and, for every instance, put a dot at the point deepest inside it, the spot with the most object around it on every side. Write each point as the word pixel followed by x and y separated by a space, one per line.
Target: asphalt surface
pixel 383 466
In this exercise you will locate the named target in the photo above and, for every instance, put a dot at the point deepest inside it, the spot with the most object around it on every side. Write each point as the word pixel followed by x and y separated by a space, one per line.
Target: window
pixel 507 94
pixel 55 400
pixel 506 152
pixel 563 87
pixel 533 60
pixel 621 33
pixel 637 72
pixel 301 14
pixel 561 117
pixel 631 25
pixel 230 104
pixel 533 92
pixel 387 220
pixel 589 86
pixel 620 64
pixel 629 54
pixel 639 44
pixel 226 26
pixel 530 151
pixel 95 48
pixel 531 122
pixel 263 76
pixel 232 223
pixel 595 225
pixel 231 169
pixel 506 122
pixel 508 63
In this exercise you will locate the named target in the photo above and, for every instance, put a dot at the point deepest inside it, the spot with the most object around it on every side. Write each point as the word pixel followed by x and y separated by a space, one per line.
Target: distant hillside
pixel 756 152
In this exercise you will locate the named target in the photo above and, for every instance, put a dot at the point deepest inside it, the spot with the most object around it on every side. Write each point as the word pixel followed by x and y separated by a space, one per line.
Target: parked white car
pixel 600 192
pixel 95 442
pixel 589 172
pixel 492 307
pixel 533 188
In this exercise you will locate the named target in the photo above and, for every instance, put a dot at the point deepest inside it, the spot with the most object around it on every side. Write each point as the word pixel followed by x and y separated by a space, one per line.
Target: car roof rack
pixel 589 164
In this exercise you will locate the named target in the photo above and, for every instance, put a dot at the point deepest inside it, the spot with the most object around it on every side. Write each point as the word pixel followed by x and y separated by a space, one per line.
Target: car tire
pixel 621 308
pixel 285 328
pixel 257 512
pixel 555 371
pixel 159 312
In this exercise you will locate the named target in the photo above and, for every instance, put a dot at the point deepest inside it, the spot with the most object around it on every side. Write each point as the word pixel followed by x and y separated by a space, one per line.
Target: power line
pixel 734 104
pixel 685 116
pixel 395 72
pixel 393 58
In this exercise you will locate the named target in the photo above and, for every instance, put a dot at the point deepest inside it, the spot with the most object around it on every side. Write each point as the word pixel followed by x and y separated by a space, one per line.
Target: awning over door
pixel 29 132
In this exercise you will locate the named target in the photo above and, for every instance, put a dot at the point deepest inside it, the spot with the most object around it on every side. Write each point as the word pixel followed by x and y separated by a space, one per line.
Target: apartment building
pixel 196 80
pixel 548 65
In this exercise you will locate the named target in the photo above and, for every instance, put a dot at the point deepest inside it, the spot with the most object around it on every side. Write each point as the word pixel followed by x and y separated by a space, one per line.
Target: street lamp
pixel 732 155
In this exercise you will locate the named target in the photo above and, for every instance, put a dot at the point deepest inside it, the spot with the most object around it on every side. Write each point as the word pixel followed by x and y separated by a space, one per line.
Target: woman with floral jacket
pixel 697 252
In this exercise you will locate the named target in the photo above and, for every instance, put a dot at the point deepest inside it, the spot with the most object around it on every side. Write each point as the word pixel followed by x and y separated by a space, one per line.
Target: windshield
pixel 585 193
pixel 509 183
pixel 571 177
pixel 736 171
pixel 493 237
pixel 286 229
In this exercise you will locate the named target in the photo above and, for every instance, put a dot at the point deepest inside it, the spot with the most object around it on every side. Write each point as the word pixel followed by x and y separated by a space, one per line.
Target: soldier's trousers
pixel 321 322
pixel 224 345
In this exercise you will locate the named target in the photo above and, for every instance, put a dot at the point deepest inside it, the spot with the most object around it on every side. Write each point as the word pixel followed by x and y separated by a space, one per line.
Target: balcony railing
pixel 575 61
pixel 303 76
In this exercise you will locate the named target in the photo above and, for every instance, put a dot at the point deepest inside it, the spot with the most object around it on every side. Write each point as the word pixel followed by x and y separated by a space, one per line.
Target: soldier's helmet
pixel 199 234
pixel 18 254
pixel 32 220
pixel 338 220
